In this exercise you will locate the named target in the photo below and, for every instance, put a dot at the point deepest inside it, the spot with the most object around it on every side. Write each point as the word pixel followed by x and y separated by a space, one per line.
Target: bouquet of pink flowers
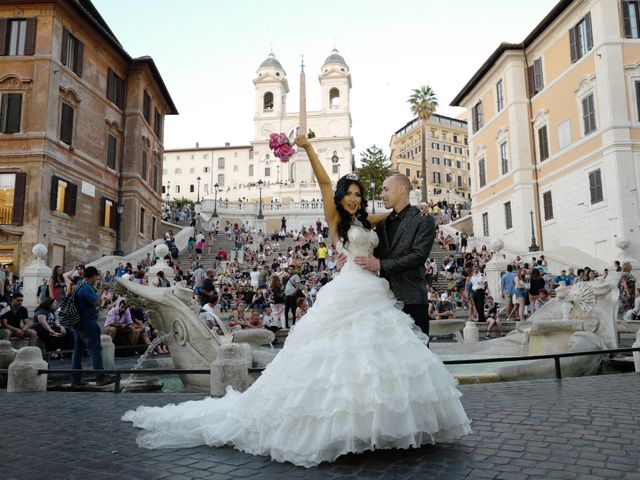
pixel 282 147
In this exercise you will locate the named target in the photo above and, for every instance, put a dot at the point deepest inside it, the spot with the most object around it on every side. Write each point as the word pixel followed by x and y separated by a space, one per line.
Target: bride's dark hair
pixel 345 218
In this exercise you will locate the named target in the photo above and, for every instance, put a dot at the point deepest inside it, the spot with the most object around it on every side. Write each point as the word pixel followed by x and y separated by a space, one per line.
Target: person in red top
pixel 222 254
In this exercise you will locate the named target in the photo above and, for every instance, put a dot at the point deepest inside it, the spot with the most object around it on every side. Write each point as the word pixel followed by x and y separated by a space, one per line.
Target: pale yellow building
pixel 555 130
pixel 447 157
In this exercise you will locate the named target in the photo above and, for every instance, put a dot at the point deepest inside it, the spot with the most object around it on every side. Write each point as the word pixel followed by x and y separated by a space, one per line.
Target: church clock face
pixel 267 130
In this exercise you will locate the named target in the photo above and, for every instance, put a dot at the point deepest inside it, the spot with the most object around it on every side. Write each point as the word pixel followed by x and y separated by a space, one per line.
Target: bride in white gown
pixel 352 375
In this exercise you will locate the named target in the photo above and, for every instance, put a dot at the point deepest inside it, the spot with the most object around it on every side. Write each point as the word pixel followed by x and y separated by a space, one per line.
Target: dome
pixel 335 57
pixel 272 62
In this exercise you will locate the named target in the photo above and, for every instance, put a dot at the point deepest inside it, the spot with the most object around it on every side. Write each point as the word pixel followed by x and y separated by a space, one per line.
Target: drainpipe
pixel 532 142
pixel 120 205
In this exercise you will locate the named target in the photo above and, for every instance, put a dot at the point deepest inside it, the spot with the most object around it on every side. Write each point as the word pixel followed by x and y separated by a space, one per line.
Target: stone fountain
pixel 193 345
pixel 582 317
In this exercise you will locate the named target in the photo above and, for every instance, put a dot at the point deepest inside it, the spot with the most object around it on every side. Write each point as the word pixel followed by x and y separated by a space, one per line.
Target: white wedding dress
pixel 352 376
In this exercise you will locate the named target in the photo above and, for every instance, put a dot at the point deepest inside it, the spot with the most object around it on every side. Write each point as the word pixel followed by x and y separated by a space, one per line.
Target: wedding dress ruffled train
pixel 352 376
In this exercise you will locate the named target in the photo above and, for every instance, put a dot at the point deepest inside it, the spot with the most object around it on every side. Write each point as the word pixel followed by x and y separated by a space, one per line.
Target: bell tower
pixel 335 84
pixel 271 95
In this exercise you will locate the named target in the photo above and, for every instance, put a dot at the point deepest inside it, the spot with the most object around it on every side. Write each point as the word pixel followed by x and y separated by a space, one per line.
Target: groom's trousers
pixel 419 313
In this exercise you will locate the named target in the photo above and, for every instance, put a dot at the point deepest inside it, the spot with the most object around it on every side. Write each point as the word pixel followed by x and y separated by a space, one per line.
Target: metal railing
pixel 174 371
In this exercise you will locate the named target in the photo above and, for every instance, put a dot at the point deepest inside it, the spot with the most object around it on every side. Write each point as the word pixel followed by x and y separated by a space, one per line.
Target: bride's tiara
pixel 351 176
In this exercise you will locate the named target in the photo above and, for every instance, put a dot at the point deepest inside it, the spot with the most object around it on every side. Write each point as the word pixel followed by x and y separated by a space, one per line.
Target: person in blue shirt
pixel 507 288
pixel 87 330
pixel 563 277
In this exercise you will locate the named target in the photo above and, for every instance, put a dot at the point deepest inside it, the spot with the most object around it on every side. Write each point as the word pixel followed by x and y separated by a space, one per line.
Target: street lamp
pixel 534 246
pixel 215 200
pixel 168 192
pixel 119 211
pixel 198 199
pixel 260 184
pixel 373 196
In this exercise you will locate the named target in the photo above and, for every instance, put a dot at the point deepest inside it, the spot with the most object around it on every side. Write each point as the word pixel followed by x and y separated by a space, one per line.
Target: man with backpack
pixel 87 330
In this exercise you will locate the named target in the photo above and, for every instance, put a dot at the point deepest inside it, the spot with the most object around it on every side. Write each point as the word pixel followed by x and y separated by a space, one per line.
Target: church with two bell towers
pixel 331 125
pixel 235 170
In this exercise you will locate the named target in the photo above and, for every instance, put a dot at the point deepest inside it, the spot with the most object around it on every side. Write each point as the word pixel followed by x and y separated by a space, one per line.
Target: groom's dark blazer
pixel 402 260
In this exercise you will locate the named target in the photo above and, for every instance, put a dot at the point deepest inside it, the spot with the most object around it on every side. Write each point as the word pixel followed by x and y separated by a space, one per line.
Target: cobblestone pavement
pixel 582 428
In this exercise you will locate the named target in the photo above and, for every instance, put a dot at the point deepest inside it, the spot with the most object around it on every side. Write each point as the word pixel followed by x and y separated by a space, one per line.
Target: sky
pixel 208 52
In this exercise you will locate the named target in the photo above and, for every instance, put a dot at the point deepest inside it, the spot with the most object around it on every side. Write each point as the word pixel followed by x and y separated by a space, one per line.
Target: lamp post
pixel 119 211
pixel 373 196
pixel 215 200
pixel 168 190
pixel 198 198
pixel 260 184
pixel 534 246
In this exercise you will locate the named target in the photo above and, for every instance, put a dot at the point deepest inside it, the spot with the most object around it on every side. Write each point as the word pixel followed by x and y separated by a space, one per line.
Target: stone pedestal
pixel 108 352
pixel 229 369
pixel 161 265
pixel 470 332
pixel 7 355
pixel 33 275
pixel 23 372
pixel 494 268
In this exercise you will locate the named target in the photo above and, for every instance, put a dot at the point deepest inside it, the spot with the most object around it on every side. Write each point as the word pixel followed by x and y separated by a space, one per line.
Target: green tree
pixel 423 103
pixel 178 203
pixel 375 167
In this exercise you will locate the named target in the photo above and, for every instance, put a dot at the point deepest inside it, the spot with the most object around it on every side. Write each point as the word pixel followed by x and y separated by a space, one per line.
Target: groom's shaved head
pixel 402 181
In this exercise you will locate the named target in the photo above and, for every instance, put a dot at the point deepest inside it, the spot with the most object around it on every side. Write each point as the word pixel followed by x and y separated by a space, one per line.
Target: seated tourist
pixel 270 321
pixel 239 318
pixel 543 298
pixel 119 322
pixel 444 308
pixel 254 320
pixel 301 307
pixel 491 315
pixel 51 333
pixel 15 321
pixel 209 316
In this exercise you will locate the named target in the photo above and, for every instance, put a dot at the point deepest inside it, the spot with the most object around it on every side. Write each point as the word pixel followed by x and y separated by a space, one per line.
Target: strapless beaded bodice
pixel 361 242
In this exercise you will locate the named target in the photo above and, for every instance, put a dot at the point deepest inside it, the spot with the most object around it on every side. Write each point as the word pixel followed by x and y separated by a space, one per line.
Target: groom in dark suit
pixel 405 241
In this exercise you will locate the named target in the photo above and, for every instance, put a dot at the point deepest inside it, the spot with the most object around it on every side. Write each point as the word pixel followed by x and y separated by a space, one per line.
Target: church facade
pixel 236 170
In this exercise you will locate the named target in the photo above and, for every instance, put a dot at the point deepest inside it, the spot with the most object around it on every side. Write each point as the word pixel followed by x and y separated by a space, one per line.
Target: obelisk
pixel 303 101
pixel 301 168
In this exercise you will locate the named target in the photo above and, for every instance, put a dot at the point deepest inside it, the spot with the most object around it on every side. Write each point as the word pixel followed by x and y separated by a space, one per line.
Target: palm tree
pixel 423 103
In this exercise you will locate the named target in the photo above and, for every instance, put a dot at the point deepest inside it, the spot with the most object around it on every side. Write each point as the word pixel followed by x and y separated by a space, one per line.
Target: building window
pixel 177 171
pixel 192 170
pixel 581 39
pixel 547 203
pixel 435 160
pixel 192 188
pixel 588 114
pixel 637 84
pixel 251 170
pixel 221 180
pixel 458 164
pixel 485 224
pixel 482 174
pixel 267 102
pixel 447 162
pixel 543 143
pixel 10 113
pixel 221 163
pixel 436 177
pixel 66 123
pixel 12 196
pixel 142 212
pixel 446 148
pixel 335 169
pixel 157 128
pixel 448 177
pixel 267 171
pixel 459 181
pixel 419 173
pixel 177 188
pixel 334 98
pixel 112 145
pixel 595 187
pixel 143 171
pixel 115 89
pixel 153 227
pixel 499 95
pixel 504 160
pixel 107 213
pixel 535 79
pixel 205 169
pixel 155 178
pixel 146 107
pixel 508 221
pixel 407 172
pixel 72 52
pixel 477 119
pixel 631 17
pixel 18 35
pixel 63 196
pixel 435 146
